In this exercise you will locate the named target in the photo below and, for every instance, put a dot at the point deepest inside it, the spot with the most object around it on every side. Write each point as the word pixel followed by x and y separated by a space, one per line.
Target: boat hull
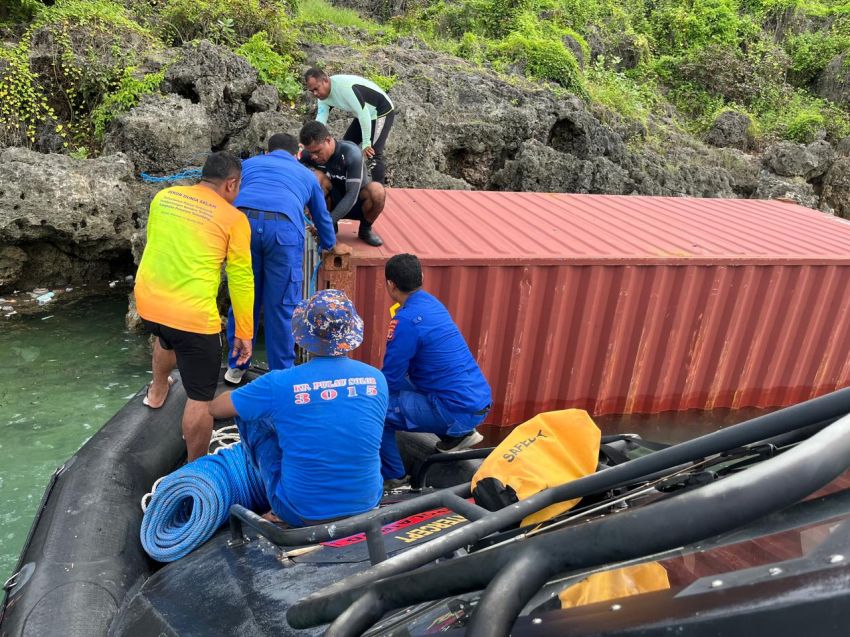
pixel 83 555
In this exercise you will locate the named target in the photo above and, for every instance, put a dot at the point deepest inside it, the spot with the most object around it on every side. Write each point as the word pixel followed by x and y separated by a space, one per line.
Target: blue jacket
pixel 425 345
pixel 277 182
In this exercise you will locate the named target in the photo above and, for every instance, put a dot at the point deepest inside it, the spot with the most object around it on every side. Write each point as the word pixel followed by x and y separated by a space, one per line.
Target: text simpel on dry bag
pixel 552 448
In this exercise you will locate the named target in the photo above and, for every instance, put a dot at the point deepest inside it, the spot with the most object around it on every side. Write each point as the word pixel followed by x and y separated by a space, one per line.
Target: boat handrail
pixel 370 523
pixel 749 432
pixel 512 573
pixel 417 480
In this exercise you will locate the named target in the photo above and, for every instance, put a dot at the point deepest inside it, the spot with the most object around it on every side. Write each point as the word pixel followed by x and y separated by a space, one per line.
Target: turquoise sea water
pixel 63 375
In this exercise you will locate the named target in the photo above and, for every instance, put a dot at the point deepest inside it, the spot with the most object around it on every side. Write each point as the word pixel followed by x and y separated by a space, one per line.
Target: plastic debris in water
pixel 128 278
pixel 112 284
pixel 45 298
pixel 69 289
pixel 7 308
pixel 44 318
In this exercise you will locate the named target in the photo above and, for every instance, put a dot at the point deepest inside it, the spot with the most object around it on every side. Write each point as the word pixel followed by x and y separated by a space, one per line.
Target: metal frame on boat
pixel 766 464
pixel 511 576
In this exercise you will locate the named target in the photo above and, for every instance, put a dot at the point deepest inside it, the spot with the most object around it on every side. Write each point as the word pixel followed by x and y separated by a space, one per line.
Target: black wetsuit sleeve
pixel 306 159
pixel 353 183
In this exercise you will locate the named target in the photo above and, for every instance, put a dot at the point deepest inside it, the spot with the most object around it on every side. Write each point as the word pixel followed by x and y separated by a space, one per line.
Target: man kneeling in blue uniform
pixel 314 431
pixel 434 382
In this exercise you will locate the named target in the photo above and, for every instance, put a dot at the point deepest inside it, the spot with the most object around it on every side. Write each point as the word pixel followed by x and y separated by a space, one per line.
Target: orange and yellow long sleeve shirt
pixel 191 232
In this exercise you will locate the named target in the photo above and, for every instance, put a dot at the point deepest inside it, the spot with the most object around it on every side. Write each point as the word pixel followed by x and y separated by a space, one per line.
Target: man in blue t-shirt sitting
pixel 434 382
pixel 314 431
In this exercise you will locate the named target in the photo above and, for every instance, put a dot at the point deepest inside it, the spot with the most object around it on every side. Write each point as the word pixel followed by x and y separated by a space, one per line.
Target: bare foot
pixel 271 517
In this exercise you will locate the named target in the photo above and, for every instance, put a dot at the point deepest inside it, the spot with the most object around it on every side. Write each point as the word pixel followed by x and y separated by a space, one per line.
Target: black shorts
pixel 198 358
pixel 356 211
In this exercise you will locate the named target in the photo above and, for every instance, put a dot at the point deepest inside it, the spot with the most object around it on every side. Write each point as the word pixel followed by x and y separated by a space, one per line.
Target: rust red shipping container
pixel 621 304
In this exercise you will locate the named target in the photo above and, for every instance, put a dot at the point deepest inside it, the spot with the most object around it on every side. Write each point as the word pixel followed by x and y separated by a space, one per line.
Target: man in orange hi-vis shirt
pixel 191 231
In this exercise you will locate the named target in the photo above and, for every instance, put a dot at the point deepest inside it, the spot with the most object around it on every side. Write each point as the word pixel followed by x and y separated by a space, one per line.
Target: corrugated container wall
pixel 621 304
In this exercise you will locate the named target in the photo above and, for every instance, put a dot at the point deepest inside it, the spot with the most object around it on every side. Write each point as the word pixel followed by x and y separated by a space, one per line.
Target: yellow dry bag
pixel 550 449
pixel 623 582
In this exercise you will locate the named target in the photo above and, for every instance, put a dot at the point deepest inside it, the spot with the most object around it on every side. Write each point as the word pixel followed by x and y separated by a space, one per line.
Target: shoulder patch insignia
pixel 391 331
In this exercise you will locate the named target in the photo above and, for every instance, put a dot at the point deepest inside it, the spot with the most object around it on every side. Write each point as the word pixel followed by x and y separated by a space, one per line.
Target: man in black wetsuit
pixel 342 173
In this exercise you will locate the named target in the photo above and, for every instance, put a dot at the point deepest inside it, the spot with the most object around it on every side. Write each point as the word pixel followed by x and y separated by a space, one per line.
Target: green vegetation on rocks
pixel 272 67
pixel 23 104
pixel 228 22
pixel 79 63
pixel 129 91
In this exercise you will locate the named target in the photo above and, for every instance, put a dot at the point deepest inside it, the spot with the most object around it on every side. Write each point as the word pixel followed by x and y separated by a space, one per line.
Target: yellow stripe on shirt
pixel 191 232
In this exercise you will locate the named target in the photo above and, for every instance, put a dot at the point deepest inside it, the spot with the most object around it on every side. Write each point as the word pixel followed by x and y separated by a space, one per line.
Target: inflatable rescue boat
pixel 740 530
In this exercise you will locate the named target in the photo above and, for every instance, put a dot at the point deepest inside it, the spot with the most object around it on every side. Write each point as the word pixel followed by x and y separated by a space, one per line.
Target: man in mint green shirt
pixel 371 107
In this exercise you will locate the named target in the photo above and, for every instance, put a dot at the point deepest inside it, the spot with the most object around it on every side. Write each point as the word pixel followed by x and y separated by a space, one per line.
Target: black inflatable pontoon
pixel 437 561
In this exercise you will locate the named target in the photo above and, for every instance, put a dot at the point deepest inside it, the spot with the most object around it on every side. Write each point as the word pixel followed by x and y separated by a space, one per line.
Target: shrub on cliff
pixel 727 72
pixel 24 109
pixel 16 11
pixel 80 50
pixel 272 67
pixel 228 22
pixel 802 118
pixel 542 59
pixel 681 25
pixel 126 95
pixel 810 52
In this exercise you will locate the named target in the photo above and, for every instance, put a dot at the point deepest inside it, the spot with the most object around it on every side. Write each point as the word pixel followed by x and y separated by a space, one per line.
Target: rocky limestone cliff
pixel 63 220
pixel 458 126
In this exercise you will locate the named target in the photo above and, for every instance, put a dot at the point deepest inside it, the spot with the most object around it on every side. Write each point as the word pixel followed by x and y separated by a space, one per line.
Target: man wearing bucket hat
pixel 314 431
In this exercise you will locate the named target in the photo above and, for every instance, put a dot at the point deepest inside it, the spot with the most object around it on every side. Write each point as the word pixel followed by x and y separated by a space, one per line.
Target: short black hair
pixel 315 73
pixel 405 271
pixel 313 132
pixel 220 166
pixel 283 141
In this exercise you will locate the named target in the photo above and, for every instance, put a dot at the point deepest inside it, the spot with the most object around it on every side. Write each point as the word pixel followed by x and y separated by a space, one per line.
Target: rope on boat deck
pixel 192 503
pixel 222 438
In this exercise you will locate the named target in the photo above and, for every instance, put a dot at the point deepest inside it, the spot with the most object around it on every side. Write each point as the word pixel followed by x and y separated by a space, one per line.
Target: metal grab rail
pixel 324 606
pixel 511 576
pixel 418 479
pixel 369 523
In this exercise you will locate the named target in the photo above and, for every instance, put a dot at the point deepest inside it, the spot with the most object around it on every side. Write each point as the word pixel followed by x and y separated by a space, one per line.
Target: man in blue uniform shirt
pixel 314 431
pixel 434 382
pixel 275 190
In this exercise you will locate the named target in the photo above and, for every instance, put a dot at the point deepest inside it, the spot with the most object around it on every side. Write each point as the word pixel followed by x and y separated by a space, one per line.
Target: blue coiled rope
pixel 191 173
pixel 192 503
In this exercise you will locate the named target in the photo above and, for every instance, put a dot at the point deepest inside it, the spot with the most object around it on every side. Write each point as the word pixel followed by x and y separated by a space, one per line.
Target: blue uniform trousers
pixel 260 443
pixel 277 254
pixel 410 410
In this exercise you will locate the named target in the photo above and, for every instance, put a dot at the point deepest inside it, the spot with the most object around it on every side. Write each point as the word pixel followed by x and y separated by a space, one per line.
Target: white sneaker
pixel 233 375
pixel 448 444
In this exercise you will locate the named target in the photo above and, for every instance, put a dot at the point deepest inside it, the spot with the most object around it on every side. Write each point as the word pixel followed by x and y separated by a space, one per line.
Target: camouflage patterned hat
pixel 327 324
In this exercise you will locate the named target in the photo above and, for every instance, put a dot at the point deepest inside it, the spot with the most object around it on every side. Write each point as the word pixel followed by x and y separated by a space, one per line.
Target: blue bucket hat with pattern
pixel 327 324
